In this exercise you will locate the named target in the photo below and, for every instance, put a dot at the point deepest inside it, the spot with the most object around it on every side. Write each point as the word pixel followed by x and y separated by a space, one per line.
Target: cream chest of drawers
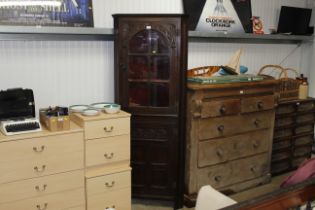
pixel 43 170
pixel 107 160
pixel 229 136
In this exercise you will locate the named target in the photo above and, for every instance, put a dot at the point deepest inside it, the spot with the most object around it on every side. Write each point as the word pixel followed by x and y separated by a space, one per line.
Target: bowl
pixel 90 112
pixel 100 105
pixel 78 108
pixel 112 108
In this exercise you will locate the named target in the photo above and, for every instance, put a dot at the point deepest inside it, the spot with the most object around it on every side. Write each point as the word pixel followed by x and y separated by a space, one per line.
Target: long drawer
pixel 29 158
pixel 56 201
pixel 233 171
pixel 106 128
pixel 224 149
pixel 230 125
pixel 118 199
pixel 107 150
pixel 41 186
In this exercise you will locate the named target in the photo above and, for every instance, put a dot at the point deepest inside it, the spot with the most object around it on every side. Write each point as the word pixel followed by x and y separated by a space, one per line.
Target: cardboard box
pixel 54 123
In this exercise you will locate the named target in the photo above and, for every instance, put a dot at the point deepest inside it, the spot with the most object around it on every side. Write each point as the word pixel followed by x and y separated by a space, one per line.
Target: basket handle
pixel 289 69
pixel 277 67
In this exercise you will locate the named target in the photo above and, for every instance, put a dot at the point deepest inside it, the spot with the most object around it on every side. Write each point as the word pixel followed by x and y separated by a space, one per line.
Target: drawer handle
pixel 257 122
pixel 110 184
pixel 108 129
pixel 110 156
pixel 40 170
pixel 222 109
pixel 40 190
pixel 217 178
pixel 35 149
pixel 40 208
pixel 219 152
pixel 253 169
pixel 221 128
pixel 113 206
pixel 260 105
pixel 255 145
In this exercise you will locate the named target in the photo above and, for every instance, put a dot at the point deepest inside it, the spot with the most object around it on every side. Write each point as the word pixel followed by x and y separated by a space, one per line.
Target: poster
pixel 71 13
pixel 228 16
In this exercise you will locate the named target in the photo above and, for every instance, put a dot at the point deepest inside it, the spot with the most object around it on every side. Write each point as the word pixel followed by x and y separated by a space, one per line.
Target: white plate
pixel 90 112
pixel 99 106
pixel 78 108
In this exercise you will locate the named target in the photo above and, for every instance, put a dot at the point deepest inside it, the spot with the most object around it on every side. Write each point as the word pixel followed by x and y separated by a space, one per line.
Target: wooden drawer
pixel 285 121
pixel 282 133
pixel 107 150
pixel 285 108
pixel 281 155
pixel 309 128
pixel 279 167
pixel 37 157
pixel 106 128
pixel 19 190
pixel 296 162
pixel 305 106
pixel 303 140
pixel 118 199
pixel 217 108
pixel 224 149
pixel 225 126
pixel 260 103
pixel 233 172
pixel 108 183
pixel 55 201
pixel 310 117
pixel 302 151
pixel 281 144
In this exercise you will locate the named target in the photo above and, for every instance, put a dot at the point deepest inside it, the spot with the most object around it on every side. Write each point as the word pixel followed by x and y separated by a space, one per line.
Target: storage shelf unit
pixel 107 34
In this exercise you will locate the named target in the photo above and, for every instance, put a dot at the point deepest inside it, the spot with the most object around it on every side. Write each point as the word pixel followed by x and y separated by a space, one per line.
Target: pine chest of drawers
pixel 43 170
pixel 107 160
pixel 229 136
pixel 293 134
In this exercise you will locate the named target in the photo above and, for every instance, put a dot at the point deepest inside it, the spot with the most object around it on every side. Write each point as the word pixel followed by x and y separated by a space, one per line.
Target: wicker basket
pixel 288 87
pixel 202 71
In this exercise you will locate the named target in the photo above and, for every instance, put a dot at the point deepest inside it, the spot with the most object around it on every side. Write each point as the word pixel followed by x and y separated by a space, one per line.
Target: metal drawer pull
pixel 257 122
pixel 113 206
pixel 253 169
pixel 40 190
pixel 222 109
pixel 109 156
pixel 217 178
pixel 260 105
pixel 110 184
pixel 35 149
pixel 221 128
pixel 109 129
pixel 219 152
pixel 40 170
pixel 40 208
pixel 255 145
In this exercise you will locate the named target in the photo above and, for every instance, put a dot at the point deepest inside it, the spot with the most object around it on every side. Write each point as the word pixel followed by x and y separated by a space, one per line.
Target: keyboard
pixel 12 127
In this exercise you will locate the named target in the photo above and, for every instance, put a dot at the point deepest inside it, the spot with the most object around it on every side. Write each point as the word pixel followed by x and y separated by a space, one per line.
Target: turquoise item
pixel 243 70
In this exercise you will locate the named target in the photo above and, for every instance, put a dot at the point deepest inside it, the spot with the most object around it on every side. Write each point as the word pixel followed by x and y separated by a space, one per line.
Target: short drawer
pixel 302 151
pixel 30 158
pixel 283 133
pixel 224 149
pixel 281 155
pixel 284 121
pixel 303 140
pixel 230 125
pixel 106 128
pixel 107 150
pixel 118 199
pixel 217 108
pixel 108 183
pixel 308 128
pixel 41 186
pixel 281 144
pixel 56 201
pixel 296 162
pixel 254 104
pixel 233 172
pixel 285 108
pixel 310 117
pixel 279 167
pixel 305 106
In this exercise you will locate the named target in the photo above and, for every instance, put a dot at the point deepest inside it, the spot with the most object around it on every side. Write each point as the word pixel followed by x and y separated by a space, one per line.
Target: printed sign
pixel 76 13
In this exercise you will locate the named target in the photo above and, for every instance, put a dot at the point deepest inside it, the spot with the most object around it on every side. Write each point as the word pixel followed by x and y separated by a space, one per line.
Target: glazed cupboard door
pixel 150 83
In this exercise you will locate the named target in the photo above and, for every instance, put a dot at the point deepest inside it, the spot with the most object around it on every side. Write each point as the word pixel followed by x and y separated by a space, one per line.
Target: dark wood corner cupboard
pixel 150 82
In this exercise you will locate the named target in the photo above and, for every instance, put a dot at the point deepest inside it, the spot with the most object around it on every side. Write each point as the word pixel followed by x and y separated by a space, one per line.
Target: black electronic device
pixel 294 20
pixel 16 103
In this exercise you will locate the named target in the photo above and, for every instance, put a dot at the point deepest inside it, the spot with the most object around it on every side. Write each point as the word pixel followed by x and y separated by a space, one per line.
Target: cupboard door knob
pixel 42 208
pixel 109 156
pixel 110 184
pixel 219 152
pixel 221 128
pixel 217 178
pixel 40 190
pixel 40 170
pixel 108 129
pixel 35 149
pixel 222 109
pixel 113 206
pixel 260 105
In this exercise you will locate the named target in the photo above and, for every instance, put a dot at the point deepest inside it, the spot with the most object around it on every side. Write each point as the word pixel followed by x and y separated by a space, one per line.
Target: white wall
pixel 82 72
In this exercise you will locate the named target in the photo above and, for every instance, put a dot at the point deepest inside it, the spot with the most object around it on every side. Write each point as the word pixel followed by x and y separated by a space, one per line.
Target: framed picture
pixel 72 13
pixel 229 16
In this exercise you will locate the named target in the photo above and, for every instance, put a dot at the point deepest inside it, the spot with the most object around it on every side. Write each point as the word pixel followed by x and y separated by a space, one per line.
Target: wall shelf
pixel 33 33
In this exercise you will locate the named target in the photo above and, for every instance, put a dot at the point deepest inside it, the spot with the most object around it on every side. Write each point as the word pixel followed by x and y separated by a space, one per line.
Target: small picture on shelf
pixel 71 13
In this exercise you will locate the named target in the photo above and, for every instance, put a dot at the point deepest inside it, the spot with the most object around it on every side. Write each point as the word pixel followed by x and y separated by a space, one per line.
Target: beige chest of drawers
pixel 229 136
pixel 43 170
pixel 107 160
